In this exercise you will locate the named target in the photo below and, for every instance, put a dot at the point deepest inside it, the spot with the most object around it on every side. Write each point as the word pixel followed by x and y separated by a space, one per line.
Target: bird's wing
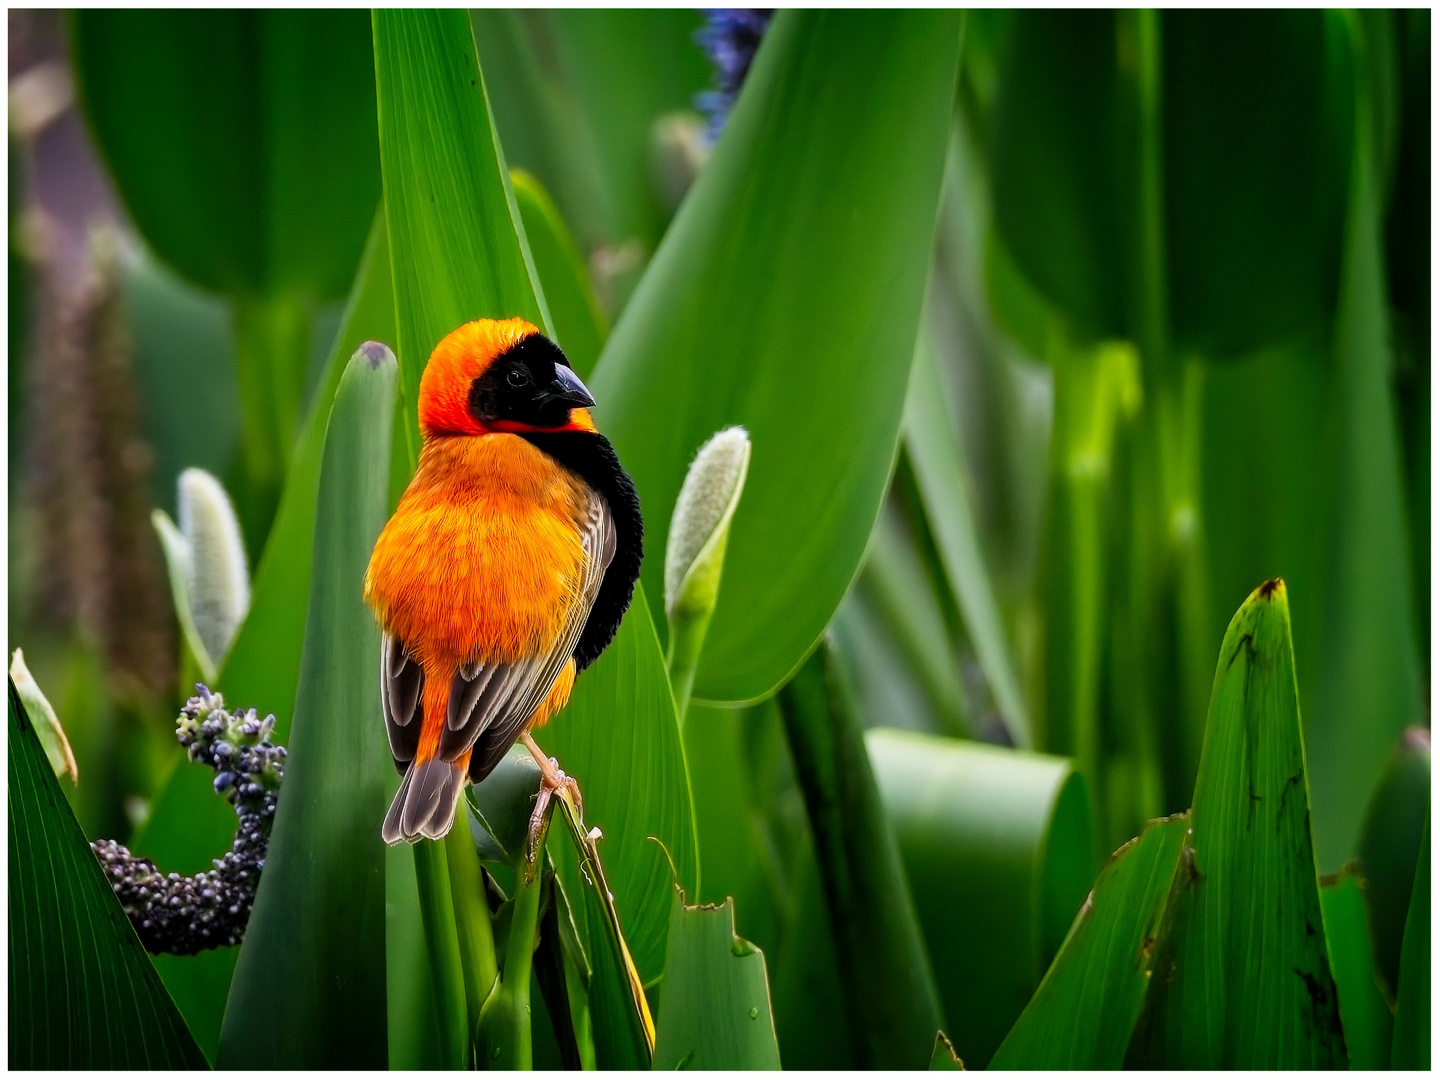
pixel 490 703
pixel 402 681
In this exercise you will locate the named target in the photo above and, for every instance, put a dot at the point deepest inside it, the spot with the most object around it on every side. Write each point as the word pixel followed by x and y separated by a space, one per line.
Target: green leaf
pixel 938 459
pixel 892 1008
pixel 943 1058
pixel 1083 1013
pixel 580 326
pixel 1367 686
pixel 243 145
pixel 715 998
pixel 792 263
pixel 1250 252
pixel 189 825
pixel 243 142
pixel 619 738
pixel 998 848
pixel 457 246
pixel 83 994
pixel 309 987
pixel 894 581
pixel 576 97
pixel 1251 986
pixel 623 1030
pixel 1363 1012
pixel 1390 848
pixel 1411 1048
pixel 413 1025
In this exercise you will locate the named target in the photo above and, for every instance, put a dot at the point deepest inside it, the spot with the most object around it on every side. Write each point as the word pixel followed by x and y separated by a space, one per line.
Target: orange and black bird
pixel 505 570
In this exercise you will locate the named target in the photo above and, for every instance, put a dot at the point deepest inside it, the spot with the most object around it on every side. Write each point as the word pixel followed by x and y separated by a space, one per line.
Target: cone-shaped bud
pixel 695 551
pixel 701 522
pixel 43 718
pixel 218 581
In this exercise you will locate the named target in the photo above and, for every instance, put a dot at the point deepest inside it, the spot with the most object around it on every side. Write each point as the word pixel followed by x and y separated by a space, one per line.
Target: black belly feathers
pixel 589 455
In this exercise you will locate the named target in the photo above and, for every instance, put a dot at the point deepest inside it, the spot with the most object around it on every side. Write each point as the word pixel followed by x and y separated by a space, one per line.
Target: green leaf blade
pixel 457 245
pixel 999 851
pixel 793 263
pixel 715 996
pixel 620 740
pixel 1411 1046
pixel 1252 985
pixel 83 993
pixel 1083 1013
pixel 309 987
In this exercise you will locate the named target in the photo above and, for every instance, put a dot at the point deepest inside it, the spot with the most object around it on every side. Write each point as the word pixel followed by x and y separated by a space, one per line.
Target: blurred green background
pixel 1174 342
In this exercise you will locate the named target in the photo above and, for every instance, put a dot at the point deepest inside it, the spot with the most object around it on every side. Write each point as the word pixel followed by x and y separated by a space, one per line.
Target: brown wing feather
pixel 402 682
pixel 490 704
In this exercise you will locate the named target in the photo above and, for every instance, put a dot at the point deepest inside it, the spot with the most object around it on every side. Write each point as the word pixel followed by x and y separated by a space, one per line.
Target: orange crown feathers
pixel 457 361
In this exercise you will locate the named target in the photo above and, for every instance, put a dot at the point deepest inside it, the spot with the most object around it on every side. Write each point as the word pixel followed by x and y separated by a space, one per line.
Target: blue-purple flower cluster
pixel 730 38
pixel 173 913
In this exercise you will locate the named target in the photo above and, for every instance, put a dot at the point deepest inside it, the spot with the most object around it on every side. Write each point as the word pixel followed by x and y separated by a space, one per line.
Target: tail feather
pixel 424 807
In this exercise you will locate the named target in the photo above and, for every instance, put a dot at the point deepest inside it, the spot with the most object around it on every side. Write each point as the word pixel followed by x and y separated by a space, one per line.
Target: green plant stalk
pixel 474 933
pixel 688 626
pixel 890 997
pixel 437 909
pixel 272 346
pixel 593 872
pixel 502 1038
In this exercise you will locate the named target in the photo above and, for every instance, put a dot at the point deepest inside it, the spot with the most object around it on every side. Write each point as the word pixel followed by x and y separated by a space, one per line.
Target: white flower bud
pixel 43 719
pixel 701 522
pixel 217 579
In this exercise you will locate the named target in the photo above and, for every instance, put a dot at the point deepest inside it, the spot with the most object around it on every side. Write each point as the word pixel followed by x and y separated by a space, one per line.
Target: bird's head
pixel 500 375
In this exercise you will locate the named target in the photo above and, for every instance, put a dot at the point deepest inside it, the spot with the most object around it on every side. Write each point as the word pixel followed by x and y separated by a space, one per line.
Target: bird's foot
pixel 552 779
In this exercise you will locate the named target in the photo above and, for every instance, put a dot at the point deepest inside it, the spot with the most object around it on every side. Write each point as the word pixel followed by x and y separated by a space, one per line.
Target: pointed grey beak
pixel 568 388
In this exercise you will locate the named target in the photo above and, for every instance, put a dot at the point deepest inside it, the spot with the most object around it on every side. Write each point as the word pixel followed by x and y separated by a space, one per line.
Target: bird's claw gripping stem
pixel 552 779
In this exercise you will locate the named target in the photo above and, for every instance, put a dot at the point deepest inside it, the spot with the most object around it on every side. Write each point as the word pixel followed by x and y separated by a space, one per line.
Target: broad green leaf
pixel 1363 1012
pixel 189 825
pixel 1251 986
pixel 785 298
pixel 892 1008
pixel 171 324
pixel 714 998
pixel 576 97
pixel 580 326
pixel 998 848
pixel 1390 847
pixel 748 816
pixel 1368 680
pixel 938 460
pixel 309 987
pixel 1252 177
pixel 457 246
pixel 895 581
pixel 243 142
pixel 1083 1013
pixel 619 738
pixel 1411 1047
pixel 243 145
pixel 83 994
pixel 413 1026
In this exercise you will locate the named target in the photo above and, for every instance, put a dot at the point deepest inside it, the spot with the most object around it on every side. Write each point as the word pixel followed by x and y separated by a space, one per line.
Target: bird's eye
pixel 517 377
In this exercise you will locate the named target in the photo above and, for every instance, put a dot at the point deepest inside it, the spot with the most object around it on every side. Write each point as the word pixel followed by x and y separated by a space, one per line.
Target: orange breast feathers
pixel 483 559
